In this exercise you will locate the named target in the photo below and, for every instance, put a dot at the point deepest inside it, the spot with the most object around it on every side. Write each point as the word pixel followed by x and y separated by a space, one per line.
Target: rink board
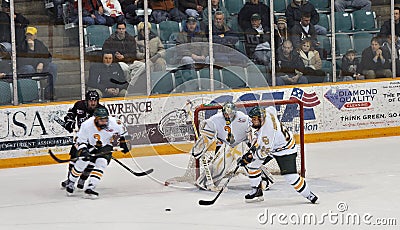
pixel 160 125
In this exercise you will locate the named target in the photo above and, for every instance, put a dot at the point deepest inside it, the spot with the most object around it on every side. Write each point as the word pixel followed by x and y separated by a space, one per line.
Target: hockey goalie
pixel 228 131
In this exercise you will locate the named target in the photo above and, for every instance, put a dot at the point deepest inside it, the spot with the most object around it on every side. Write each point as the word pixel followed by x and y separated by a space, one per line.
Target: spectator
pixel 5 59
pixel 123 46
pixel 156 49
pixel 250 8
pixel 92 13
pixel 215 7
pixel 350 63
pixel 129 8
pixel 191 33
pixel 304 30
pixel 297 8
pixel 257 46
pixel 386 28
pixel 281 32
pixel 223 35
pixel 375 62
pixel 290 67
pixel 34 57
pixel 387 46
pixel 54 7
pixel 312 62
pixel 104 78
pixel 193 8
pixel 112 12
pixel 5 25
pixel 341 5
pixel 164 10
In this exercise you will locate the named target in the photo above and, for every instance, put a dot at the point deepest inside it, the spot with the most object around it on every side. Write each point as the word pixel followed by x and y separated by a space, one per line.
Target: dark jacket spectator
pixel 304 30
pixel 102 75
pixel 121 44
pixel 258 47
pixel 5 59
pixel 92 13
pixel 5 25
pixel 281 32
pixel 297 8
pixel 250 8
pixel 193 8
pixel 350 65
pixel 375 62
pixel 386 28
pixel 216 6
pixel 164 10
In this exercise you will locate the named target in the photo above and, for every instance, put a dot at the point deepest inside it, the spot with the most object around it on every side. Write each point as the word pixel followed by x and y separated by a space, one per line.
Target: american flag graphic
pixel 309 99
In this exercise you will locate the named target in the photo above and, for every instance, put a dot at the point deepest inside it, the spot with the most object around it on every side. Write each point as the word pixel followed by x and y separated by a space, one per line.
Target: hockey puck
pixel 167 209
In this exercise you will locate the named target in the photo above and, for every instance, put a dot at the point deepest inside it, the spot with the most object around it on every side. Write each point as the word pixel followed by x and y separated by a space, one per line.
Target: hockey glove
pixel 85 154
pixel 123 145
pixel 247 157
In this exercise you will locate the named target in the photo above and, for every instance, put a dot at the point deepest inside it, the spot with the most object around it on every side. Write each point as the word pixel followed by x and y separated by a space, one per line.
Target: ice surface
pixel 364 174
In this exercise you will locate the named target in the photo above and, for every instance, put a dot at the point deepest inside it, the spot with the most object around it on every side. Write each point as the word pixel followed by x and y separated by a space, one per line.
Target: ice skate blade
pixel 90 196
pixel 254 200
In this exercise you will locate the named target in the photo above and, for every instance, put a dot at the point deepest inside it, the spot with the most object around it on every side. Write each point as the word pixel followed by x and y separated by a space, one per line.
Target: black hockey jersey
pixel 77 115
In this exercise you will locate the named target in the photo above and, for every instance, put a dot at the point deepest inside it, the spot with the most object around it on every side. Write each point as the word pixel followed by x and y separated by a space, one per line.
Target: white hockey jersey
pixel 89 134
pixel 273 138
pixel 232 134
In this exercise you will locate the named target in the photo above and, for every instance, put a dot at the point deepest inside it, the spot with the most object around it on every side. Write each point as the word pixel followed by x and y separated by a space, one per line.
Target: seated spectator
pixel 289 66
pixel 215 7
pixel 375 62
pixel 107 78
pixel 348 70
pixel 34 57
pixel 123 46
pixel 387 46
pixel 250 8
pixel 341 5
pixel 281 32
pixel 223 35
pixel 112 12
pixel 129 8
pixel 304 30
pixel 164 10
pixel 193 8
pixel 92 13
pixel 5 59
pixel 297 8
pixel 191 54
pixel 156 49
pixel 386 28
pixel 257 46
pixel 5 27
pixel 312 62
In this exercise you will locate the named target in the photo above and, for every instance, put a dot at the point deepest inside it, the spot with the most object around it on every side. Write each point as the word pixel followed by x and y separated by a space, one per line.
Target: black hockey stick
pixel 144 173
pixel 58 160
pixel 115 81
pixel 210 202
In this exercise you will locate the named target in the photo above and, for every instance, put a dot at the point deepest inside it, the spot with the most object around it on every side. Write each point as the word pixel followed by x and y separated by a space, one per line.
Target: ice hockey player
pixel 270 137
pixel 76 115
pixel 229 129
pixel 96 139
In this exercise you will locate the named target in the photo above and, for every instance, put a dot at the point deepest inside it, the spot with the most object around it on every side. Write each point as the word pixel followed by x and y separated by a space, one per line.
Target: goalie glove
pixel 123 145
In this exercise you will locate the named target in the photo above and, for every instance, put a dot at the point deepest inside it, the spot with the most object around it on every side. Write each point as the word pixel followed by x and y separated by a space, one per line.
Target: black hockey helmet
pixel 92 95
pixel 257 112
pixel 229 111
pixel 101 112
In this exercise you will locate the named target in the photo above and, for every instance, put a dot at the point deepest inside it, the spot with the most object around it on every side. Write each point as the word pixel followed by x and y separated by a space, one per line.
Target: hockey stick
pixel 58 160
pixel 210 202
pixel 144 173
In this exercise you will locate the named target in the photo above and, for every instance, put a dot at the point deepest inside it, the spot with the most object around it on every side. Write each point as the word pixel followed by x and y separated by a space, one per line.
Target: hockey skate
pixel 313 198
pixel 256 195
pixel 81 183
pixel 91 194
pixel 70 188
pixel 64 183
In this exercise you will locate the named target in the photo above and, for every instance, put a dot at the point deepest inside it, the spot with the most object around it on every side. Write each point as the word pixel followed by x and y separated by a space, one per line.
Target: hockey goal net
pixel 290 113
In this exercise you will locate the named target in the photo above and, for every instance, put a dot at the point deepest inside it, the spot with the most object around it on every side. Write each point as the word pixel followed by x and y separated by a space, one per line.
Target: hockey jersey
pixel 233 133
pixel 273 138
pixel 88 135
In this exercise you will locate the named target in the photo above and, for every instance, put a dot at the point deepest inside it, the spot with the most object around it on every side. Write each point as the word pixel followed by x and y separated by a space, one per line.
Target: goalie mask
pixel 101 117
pixel 257 116
pixel 229 111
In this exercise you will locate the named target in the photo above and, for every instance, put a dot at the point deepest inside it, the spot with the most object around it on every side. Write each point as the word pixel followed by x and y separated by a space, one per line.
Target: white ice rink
pixel 360 175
